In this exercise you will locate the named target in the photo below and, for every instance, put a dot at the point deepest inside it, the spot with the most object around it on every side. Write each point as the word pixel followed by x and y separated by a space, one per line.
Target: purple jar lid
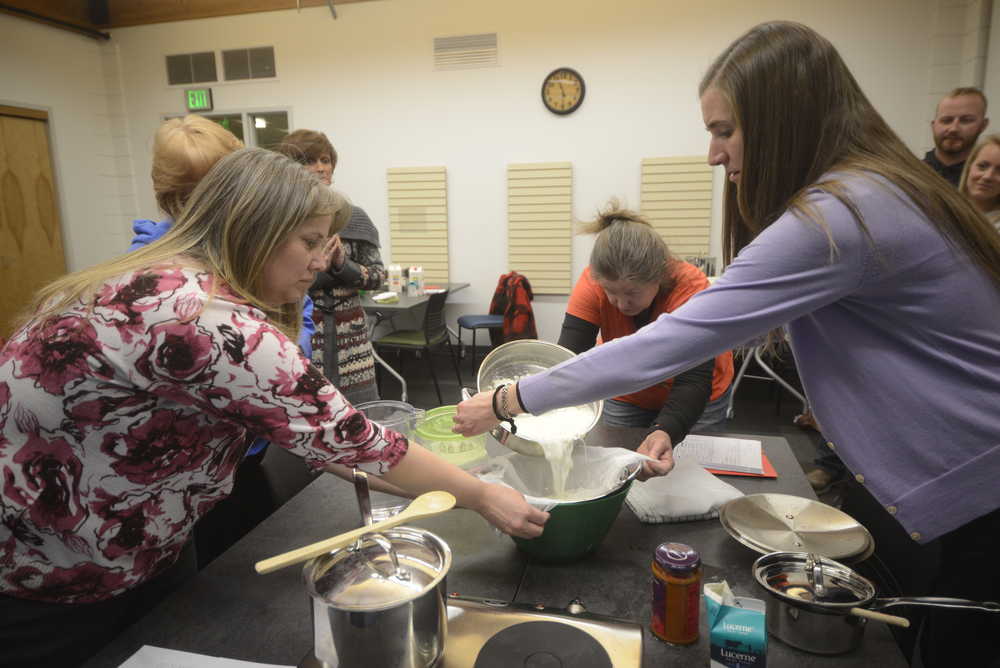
pixel 677 558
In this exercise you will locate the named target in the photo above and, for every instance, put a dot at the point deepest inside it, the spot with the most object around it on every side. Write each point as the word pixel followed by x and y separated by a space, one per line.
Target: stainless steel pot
pixel 820 605
pixel 513 360
pixel 381 603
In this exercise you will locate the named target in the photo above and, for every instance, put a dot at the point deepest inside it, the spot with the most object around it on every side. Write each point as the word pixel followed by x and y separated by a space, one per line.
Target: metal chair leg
pixel 736 383
pixel 473 351
pixel 430 365
pixel 395 374
pixel 781 381
pixel 454 362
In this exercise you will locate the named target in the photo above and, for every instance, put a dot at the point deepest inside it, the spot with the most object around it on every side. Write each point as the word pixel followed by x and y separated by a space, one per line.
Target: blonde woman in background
pixel 980 180
pixel 127 396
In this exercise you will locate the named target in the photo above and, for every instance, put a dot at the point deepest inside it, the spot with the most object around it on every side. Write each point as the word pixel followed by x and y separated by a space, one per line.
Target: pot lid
pixel 367 579
pixel 800 577
pixel 785 523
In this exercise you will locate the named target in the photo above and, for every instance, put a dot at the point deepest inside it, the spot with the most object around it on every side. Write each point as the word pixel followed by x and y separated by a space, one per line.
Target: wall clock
pixel 563 91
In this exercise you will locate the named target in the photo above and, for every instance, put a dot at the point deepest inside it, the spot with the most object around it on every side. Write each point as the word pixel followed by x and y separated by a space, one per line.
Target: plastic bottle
pixel 395 278
pixel 415 282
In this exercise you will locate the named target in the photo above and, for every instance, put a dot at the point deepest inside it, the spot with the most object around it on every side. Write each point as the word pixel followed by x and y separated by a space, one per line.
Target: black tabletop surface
pixel 228 610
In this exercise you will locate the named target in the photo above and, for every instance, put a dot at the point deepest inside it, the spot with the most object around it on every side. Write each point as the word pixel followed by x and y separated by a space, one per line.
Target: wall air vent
pixel 255 63
pixel 188 68
pixel 465 51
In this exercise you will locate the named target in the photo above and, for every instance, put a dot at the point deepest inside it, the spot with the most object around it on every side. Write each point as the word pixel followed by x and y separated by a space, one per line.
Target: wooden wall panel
pixel 539 224
pixel 31 248
pixel 676 197
pixel 418 220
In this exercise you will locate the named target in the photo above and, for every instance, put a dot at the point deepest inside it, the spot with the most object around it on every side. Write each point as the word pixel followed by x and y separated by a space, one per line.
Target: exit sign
pixel 198 99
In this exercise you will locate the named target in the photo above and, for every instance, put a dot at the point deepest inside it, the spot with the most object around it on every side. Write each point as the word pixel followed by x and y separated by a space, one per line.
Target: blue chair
pixel 475 322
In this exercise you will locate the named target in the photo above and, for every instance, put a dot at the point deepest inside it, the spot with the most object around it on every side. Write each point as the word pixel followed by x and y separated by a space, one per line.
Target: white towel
pixel 687 493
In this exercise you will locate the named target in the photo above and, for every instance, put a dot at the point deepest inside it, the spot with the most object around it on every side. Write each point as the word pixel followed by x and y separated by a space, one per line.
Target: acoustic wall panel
pixel 418 220
pixel 676 197
pixel 539 224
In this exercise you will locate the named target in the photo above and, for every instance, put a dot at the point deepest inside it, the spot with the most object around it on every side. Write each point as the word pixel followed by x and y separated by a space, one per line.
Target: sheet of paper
pixel 157 657
pixel 720 452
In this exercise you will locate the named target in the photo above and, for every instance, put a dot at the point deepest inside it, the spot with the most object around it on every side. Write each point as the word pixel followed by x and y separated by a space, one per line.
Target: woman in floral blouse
pixel 125 401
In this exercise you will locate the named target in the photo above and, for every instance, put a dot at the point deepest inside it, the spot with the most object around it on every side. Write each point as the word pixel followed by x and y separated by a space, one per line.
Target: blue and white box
pixel 737 628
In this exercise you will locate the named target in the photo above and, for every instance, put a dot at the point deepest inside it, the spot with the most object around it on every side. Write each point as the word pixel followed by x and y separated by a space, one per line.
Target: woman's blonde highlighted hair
pixel 184 149
pixel 627 247
pixel 238 215
pixel 803 118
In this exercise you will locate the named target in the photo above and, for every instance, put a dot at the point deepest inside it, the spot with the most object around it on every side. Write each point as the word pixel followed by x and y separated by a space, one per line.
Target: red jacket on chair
pixel 512 300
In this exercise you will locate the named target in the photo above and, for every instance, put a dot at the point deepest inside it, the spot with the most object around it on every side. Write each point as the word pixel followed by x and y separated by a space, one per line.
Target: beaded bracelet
pixel 509 419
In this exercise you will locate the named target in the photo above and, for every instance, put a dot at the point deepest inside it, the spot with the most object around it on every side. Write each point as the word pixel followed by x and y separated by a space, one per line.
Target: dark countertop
pixel 228 610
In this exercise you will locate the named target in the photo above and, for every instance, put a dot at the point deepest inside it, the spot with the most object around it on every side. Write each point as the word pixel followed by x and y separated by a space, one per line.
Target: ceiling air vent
pixel 465 51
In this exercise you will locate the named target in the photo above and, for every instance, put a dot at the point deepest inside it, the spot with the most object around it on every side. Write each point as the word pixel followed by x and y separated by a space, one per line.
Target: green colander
pixel 434 433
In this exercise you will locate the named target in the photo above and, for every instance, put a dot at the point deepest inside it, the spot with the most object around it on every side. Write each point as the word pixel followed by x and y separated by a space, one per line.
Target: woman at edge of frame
pixel 888 281
pixel 980 180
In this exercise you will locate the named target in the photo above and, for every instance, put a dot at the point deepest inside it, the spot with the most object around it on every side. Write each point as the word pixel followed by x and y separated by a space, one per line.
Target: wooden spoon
pixel 428 503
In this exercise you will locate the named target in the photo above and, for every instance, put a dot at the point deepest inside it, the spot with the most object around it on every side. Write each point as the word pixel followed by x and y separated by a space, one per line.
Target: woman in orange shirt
pixel 633 279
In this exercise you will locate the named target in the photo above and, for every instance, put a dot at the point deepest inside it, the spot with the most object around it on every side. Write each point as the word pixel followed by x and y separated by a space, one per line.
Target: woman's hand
pixel 658 446
pixel 334 254
pixel 475 415
pixel 506 509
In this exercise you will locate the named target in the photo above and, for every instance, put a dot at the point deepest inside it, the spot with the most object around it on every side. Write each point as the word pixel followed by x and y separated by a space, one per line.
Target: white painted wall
pixel 991 73
pixel 72 77
pixel 367 80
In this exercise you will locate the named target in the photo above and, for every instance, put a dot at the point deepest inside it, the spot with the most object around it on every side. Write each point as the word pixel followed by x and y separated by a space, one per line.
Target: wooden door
pixel 31 248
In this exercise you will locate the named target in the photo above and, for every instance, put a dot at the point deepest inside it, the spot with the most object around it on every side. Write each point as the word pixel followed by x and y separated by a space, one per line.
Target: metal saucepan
pixel 381 603
pixel 820 605
pixel 513 360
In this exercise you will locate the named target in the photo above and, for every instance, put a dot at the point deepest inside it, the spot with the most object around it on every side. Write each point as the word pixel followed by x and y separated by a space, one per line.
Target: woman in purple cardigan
pixel 888 282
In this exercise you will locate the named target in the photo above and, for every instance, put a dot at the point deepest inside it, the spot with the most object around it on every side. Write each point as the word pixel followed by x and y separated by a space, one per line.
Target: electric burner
pixel 542 645
pixel 485 633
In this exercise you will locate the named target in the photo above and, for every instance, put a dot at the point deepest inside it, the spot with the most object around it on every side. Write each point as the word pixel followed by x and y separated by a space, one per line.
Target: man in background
pixel 959 120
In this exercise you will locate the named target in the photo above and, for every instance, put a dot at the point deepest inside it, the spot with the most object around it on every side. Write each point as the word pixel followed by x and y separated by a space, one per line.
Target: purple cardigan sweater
pixel 897 345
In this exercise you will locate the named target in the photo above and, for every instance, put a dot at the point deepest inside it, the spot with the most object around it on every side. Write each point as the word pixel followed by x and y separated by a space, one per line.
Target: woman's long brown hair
pixel 804 117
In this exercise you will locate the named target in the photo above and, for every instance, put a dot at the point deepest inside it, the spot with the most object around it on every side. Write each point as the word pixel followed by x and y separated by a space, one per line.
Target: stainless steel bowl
pixel 523 358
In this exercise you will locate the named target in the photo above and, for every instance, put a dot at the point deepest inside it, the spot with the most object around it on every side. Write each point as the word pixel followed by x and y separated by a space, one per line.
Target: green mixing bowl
pixel 574 530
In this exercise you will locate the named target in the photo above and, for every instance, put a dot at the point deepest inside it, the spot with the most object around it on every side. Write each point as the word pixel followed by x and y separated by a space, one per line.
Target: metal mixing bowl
pixel 522 358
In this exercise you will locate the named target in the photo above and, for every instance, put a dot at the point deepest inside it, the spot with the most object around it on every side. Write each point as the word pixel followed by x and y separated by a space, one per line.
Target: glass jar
pixel 676 593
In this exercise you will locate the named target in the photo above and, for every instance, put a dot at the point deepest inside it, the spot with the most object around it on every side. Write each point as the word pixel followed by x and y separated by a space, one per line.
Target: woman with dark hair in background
pixel 980 180
pixel 354 265
pixel 888 281
pixel 632 278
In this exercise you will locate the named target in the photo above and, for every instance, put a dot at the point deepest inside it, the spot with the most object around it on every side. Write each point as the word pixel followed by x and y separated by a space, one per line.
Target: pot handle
pixel 814 575
pixel 881 617
pixel 467 394
pixel 386 544
pixel 935 602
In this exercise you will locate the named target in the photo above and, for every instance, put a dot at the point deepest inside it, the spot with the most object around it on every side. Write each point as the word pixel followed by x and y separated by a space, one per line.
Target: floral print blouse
pixel 122 424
